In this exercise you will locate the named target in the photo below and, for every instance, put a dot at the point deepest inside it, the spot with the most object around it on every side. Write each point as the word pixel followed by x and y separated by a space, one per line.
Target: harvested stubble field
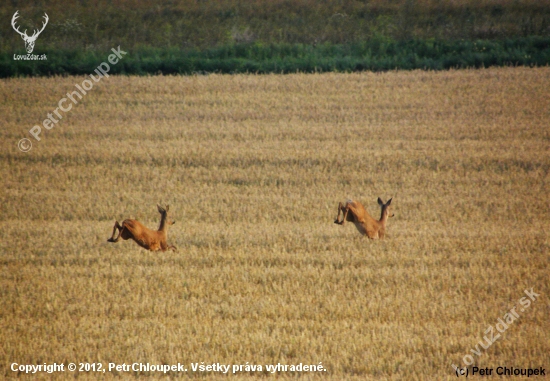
pixel 253 168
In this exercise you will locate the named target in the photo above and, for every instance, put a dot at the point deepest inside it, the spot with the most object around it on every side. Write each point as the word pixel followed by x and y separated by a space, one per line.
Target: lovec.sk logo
pixel 29 40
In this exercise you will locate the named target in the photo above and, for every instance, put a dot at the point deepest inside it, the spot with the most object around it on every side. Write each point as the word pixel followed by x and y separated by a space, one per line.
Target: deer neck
pixel 163 227
pixel 383 217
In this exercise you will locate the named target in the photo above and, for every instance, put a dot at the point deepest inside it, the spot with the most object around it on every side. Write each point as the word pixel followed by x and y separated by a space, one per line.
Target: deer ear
pixel 167 207
pixel 389 202
pixel 380 202
pixel 160 208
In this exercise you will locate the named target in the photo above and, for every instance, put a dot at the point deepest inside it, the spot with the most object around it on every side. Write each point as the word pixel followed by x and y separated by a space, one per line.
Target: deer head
pixel 29 41
pixel 386 208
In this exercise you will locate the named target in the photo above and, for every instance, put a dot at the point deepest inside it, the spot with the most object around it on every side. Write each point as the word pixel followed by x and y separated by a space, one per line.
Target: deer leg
pixel 337 221
pixel 117 226
pixel 345 215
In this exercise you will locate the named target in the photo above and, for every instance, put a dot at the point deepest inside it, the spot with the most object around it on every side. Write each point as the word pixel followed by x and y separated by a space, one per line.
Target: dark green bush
pixel 373 55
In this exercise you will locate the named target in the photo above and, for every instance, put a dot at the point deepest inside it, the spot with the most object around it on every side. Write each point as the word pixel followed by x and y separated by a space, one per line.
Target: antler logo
pixel 29 41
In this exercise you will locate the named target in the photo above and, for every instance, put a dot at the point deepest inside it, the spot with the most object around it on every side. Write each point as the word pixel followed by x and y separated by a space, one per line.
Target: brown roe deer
pixel 355 212
pixel 143 236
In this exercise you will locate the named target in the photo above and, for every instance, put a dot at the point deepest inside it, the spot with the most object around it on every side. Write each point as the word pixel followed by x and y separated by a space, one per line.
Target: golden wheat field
pixel 253 168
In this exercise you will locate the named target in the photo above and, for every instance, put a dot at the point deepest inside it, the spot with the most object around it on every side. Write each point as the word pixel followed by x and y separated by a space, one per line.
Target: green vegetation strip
pixel 375 55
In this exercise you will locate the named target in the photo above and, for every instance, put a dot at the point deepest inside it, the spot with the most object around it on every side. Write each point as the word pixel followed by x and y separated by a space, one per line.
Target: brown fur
pixel 143 236
pixel 354 211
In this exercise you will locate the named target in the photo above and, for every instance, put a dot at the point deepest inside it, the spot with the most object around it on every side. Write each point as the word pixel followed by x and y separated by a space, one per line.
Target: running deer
pixel 354 212
pixel 144 237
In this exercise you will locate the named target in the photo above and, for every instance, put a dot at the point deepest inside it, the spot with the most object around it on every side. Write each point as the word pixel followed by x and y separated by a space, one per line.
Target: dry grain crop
pixel 253 168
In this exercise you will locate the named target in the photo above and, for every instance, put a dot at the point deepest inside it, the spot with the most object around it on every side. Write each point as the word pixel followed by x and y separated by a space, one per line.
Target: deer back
pixel 143 236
